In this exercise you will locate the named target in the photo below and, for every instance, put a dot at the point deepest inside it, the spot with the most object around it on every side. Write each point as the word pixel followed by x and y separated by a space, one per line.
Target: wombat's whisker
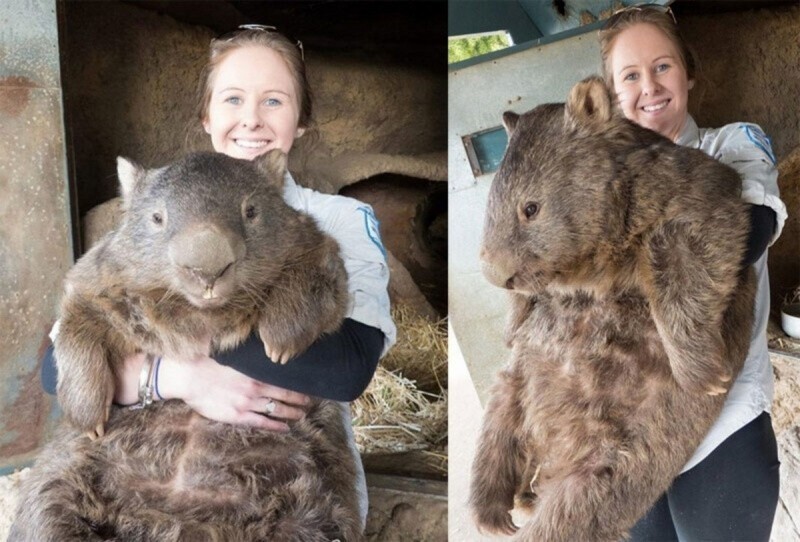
pixel 169 295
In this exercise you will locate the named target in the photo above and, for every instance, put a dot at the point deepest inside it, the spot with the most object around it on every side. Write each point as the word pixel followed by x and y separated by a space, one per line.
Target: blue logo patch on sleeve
pixel 372 226
pixel 760 140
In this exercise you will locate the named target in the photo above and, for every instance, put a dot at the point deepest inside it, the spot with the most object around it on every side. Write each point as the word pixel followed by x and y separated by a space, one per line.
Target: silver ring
pixel 269 408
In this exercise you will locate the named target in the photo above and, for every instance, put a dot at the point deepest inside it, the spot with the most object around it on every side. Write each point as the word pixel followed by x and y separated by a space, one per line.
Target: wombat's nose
pixel 206 252
pixel 497 266
pixel 498 276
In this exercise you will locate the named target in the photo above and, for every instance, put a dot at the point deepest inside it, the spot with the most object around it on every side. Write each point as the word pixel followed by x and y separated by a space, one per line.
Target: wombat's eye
pixel 530 209
pixel 158 219
pixel 250 212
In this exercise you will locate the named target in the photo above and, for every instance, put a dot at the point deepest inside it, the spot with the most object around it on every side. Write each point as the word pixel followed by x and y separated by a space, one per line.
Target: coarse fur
pixel 207 252
pixel 631 317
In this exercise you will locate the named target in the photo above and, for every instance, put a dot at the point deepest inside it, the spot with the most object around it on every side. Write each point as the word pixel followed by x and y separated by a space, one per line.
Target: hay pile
pixel 405 407
pixel 420 353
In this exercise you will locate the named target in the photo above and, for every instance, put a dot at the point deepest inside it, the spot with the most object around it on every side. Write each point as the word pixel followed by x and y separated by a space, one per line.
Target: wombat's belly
pixel 598 384
pixel 170 459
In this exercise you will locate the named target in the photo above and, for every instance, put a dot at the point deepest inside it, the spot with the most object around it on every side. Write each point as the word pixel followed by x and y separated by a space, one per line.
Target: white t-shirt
pixel 745 148
pixel 354 226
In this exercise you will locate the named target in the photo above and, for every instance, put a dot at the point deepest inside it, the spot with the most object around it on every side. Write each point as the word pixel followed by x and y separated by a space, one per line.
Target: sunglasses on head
pixel 228 36
pixel 617 15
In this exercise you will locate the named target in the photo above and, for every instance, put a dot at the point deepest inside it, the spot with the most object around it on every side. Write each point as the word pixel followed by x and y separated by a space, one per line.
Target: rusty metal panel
pixel 35 226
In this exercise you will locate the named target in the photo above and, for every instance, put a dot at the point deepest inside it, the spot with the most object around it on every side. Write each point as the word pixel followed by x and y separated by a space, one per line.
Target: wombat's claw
pixel 277 356
pixel 713 391
pixel 285 357
pixel 497 525
pixel 98 431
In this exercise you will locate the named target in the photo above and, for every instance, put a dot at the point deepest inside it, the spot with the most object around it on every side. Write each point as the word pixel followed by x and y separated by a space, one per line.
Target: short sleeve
pixel 747 149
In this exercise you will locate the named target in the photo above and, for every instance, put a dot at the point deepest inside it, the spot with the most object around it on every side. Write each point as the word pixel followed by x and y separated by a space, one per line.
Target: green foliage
pixel 459 49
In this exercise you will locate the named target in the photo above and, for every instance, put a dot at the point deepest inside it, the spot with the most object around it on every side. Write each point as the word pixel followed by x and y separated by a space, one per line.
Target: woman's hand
pixel 216 392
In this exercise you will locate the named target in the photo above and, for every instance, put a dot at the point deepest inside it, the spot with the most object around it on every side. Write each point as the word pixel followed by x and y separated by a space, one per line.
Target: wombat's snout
pixel 495 272
pixel 205 253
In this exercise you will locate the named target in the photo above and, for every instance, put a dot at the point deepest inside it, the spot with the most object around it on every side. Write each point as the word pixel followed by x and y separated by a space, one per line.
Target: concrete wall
pixel 35 231
pixel 478 96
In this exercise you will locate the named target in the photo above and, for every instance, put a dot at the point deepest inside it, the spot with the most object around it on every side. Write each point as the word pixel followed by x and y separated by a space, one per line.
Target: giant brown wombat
pixel 207 251
pixel 631 316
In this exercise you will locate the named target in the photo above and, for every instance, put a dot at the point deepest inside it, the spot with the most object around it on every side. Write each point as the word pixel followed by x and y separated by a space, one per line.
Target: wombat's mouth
pixel 206 296
pixel 204 290
pixel 205 301
pixel 529 282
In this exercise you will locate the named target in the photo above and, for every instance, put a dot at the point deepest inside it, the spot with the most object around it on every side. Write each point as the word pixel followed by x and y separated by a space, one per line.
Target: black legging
pixel 730 495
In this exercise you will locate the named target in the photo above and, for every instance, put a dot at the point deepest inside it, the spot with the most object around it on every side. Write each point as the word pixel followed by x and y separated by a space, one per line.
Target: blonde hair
pixel 290 53
pixel 654 15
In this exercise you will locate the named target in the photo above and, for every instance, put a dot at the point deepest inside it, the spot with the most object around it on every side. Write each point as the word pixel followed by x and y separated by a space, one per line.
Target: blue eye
pixel 662 68
pixel 272 102
pixel 633 76
pixel 233 100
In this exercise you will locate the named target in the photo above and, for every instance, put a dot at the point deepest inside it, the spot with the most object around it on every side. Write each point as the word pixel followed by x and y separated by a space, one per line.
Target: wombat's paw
pixel 706 380
pixel 87 408
pixel 100 429
pixel 277 355
pixel 716 390
pixel 494 518
pixel 281 345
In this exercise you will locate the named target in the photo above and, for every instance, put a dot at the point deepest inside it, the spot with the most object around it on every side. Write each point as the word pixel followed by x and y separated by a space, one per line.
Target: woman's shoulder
pixel 312 201
pixel 738 137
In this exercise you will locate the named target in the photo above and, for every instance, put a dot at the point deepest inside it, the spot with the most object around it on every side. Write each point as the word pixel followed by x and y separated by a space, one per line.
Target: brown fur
pixel 630 318
pixel 166 473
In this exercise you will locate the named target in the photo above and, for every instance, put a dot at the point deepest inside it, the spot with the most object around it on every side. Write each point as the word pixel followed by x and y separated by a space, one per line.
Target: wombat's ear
pixel 130 174
pixel 273 166
pixel 510 122
pixel 588 105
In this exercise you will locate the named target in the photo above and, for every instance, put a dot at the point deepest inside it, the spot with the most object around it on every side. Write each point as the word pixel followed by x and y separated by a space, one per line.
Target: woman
pixel 729 488
pixel 254 97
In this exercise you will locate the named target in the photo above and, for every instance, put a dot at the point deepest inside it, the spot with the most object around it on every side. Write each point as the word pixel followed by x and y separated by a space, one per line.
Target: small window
pixel 463 47
pixel 485 150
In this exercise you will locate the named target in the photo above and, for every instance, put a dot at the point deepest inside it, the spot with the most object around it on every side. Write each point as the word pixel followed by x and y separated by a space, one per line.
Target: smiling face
pixel 650 79
pixel 254 105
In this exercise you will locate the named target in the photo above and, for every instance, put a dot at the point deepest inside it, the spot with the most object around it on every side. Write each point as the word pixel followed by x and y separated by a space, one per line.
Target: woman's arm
pixel 762 228
pixel 745 148
pixel 236 386
pixel 215 391
pixel 338 366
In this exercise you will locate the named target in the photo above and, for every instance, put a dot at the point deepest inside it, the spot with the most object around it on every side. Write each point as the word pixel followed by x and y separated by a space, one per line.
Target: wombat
pixel 207 251
pixel 631 316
